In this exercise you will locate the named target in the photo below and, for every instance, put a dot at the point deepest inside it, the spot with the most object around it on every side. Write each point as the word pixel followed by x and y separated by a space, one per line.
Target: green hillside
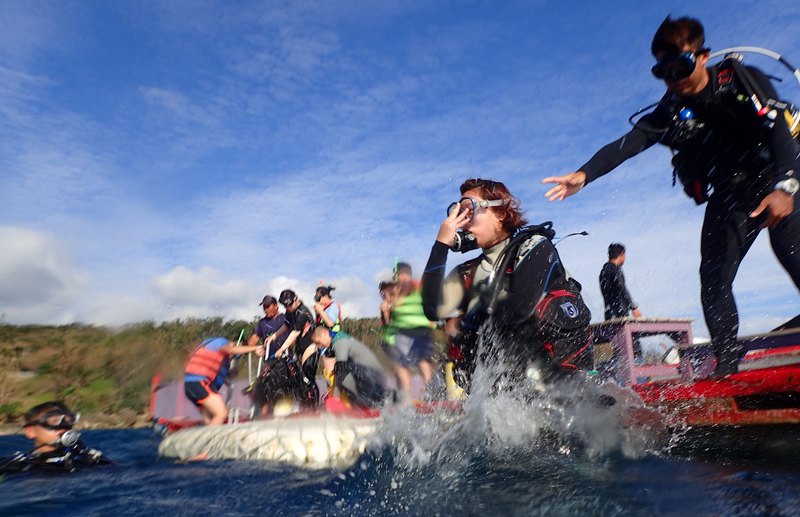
pixel 101 371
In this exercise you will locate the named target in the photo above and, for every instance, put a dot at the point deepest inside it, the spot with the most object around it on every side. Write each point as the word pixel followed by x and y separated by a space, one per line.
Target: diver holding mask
pixel 509 286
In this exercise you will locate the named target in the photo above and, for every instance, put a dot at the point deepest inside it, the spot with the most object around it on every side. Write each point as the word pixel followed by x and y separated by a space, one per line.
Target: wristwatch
pixel 790 186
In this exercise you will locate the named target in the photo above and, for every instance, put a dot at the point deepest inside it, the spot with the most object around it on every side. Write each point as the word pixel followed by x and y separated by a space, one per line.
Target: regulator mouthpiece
pixel 69 438
pixel 464 242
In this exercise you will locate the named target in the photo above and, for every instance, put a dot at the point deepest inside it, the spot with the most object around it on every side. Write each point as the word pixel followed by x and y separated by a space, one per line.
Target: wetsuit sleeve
pixel 17 463
pixel 432 280
pixel 609 157
pixel 624 294
pixel 441 296
pixel 783 146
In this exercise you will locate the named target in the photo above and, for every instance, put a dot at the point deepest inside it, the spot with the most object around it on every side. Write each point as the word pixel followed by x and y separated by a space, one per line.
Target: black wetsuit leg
pixel 728 233
pixel 785 240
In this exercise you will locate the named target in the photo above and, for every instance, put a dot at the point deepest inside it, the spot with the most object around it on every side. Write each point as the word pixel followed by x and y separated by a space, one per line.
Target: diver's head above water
pixel 486 209
pixel 46 423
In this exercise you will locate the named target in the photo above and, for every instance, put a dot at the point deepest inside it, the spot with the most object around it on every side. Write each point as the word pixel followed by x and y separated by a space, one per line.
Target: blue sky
pixel 169 159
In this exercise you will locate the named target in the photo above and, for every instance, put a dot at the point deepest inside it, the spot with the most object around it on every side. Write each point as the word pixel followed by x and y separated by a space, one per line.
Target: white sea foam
pixel 505 417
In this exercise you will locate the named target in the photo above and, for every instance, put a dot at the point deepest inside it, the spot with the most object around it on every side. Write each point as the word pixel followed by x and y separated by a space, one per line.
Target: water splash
pixel 507 416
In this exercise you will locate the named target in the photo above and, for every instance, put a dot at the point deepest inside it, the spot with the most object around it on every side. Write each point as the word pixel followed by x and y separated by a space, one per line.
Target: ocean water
pixel 507 457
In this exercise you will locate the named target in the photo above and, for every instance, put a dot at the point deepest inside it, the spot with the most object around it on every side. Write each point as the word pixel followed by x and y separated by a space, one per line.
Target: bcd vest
pixel 558 322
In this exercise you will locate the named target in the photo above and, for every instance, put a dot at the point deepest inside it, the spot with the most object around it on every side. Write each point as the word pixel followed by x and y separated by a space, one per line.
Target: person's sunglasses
pixel 55 420
pixel 470 204
pixel 675 67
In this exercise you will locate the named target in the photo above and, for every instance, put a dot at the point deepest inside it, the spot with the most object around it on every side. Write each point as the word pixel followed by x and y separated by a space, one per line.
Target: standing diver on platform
pixel 517 286
pixel 616 298
pixel 56 447
pixel 733 149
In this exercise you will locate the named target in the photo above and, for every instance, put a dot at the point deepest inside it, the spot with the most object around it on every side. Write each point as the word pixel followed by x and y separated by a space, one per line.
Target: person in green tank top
pixel 408 334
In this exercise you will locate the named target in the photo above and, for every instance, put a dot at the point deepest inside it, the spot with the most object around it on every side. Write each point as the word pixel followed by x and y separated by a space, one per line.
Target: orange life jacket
pixel 206 363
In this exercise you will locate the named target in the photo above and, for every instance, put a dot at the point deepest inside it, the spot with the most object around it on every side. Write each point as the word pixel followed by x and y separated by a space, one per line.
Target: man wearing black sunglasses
pixel 733 149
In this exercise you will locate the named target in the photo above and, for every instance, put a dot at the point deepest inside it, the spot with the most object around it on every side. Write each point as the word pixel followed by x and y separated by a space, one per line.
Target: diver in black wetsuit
pixel 727 139
pixel 299 324
pixel 56 448
pixel 511 285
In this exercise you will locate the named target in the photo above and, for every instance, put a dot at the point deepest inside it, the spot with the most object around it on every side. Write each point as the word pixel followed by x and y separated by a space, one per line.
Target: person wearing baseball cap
pixel 299 326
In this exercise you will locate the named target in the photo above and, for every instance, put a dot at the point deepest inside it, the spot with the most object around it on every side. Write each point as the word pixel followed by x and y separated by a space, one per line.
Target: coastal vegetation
pixel 102 371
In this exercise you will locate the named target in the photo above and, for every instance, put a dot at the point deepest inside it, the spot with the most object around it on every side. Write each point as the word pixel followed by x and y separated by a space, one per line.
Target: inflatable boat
pixel 764 391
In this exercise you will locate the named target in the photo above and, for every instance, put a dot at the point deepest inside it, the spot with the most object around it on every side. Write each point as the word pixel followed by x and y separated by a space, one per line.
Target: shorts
pixel 198 391
pixel 410 349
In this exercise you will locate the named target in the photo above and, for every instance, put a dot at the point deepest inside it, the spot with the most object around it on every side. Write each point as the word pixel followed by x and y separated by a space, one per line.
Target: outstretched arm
pixel 566 185
pixel 606 159
pixel 288 343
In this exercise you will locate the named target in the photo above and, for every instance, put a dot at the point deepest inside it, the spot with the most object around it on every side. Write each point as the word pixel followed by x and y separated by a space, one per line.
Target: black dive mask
pixel 675 67
pixel 55 420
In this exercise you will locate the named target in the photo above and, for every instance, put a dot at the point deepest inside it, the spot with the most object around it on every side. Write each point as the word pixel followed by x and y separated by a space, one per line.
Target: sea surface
pixel 506 457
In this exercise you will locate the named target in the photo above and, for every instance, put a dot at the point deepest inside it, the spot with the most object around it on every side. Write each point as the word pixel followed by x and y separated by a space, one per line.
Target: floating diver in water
pixel 56 447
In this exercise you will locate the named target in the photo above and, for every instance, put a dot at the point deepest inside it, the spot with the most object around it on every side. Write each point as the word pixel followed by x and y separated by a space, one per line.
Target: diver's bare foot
pixel 200 457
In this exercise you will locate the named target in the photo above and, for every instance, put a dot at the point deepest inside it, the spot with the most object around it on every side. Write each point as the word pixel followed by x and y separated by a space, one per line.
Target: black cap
pixel 287 297
pixel 403 267
pixel 268 300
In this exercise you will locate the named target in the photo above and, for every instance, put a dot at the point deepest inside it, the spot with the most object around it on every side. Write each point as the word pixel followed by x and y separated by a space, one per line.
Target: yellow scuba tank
pixel 454 391
pixel 792 116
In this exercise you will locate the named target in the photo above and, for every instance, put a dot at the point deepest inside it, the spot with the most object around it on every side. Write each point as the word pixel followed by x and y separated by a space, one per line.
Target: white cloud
pixel 38 280
pixel 199 293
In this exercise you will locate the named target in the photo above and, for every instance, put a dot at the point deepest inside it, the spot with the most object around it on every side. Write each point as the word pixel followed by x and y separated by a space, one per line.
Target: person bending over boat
pixel 299 326
pixel 205 374
pixel 328 310
pixel 517 286
pixel 355 368
pixel 56 448
pixel 729 135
